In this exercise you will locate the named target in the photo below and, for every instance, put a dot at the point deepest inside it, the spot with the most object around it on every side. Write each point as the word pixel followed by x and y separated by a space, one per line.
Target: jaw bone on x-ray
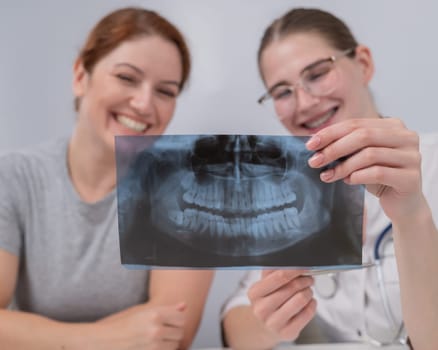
pixel 229 201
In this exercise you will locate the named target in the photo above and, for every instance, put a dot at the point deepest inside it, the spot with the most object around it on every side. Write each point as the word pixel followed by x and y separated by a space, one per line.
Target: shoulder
pixel 45 152
pixel 29 164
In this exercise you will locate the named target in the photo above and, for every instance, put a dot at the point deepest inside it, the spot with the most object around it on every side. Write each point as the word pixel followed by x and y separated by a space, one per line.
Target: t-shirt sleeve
pixel 10 230
pixel 240 296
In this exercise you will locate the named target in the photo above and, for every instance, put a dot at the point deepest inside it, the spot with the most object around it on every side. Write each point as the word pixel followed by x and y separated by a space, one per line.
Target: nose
pixel 142 102
pixel 304 100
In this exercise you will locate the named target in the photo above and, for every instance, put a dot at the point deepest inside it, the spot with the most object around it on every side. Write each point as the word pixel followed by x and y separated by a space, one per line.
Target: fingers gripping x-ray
pixel 228 195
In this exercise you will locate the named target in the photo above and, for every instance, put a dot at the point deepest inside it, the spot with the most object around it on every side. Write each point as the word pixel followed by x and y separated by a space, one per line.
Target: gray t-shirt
pixel 69 250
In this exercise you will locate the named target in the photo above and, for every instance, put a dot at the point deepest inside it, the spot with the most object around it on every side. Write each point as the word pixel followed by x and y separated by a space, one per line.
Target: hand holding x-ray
pixel 283 301
pixel 388 163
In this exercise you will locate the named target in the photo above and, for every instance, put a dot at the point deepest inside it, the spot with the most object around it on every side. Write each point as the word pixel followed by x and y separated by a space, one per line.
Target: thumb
pixel 181 306
pixel 267 272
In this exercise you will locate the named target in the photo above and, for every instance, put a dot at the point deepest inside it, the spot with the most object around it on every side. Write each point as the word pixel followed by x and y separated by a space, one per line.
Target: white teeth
pixel 131 124
pixel 260 196
pixel 321 120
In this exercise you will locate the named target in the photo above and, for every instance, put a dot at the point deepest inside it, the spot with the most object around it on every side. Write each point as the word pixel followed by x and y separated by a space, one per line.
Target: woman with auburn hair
pixel 316 76
pixel 60 265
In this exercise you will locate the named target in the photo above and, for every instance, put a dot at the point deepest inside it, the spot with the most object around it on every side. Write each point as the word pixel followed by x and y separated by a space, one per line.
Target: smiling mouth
pixel 322 119
pixel 130 123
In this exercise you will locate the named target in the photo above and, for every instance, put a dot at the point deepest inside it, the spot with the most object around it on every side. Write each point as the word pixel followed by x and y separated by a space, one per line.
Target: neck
pixel 92 168
pixel 371 110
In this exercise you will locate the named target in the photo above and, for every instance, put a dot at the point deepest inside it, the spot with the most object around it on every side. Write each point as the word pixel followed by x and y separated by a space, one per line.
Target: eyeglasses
pixel 318 79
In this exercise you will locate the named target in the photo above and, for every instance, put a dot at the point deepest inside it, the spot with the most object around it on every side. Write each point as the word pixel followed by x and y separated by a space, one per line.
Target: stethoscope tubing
pixel 377 263
pixel 379 240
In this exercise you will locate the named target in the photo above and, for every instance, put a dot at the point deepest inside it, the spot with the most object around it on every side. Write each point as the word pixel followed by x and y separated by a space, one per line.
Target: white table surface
pixel 343 346
pixel 349 346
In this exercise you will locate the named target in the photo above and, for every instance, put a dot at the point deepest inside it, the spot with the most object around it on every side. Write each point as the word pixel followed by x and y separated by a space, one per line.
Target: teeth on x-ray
pixel 222 196
pixel 264 225
pixel 255 189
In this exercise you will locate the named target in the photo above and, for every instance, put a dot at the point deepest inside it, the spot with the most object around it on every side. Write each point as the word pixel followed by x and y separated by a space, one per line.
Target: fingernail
pixel 327 175
pixel 316 159
pixel 314 142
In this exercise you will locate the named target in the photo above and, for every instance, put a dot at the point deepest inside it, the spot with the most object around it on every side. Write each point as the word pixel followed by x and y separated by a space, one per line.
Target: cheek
pixel 346 95
pixel 91 100
pixel 95 106
pixel 288 123
pixel 355 101
pixel 166 110
pixel 104 90
pixel 353 93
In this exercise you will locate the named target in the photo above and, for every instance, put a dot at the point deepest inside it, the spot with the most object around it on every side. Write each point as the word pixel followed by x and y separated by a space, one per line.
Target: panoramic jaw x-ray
pixel 230 200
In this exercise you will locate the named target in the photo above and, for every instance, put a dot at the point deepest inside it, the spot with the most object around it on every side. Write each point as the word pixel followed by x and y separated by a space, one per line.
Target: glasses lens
pixel 282 92
pixel 318 80
pixel 282 101
pixel 321 79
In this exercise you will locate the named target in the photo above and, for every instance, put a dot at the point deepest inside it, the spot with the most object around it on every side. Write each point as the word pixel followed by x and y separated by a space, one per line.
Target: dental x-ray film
pixel 223 201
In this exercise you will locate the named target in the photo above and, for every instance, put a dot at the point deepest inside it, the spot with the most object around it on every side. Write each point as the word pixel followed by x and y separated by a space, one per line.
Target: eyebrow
pixel 306 68
pixel 139 71
pixel 171 82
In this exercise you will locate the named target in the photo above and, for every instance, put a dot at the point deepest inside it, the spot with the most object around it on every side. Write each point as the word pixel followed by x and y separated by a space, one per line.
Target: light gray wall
pixel 40 39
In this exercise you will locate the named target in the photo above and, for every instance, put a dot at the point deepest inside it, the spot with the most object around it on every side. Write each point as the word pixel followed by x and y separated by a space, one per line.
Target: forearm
pixel 20 330
pixel 242 331
pixel 188 286
pixel 416 244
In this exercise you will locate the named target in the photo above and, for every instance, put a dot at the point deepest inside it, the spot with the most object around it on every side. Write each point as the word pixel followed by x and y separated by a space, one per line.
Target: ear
pixel 366 62
pixel 80 78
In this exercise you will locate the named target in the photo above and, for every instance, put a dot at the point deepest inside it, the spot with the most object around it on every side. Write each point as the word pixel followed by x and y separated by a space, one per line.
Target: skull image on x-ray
pixel 235 195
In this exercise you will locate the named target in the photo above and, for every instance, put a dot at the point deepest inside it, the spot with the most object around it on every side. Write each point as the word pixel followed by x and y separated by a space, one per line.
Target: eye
pixel 127 78
pixel 167 92
pixel 318 72
pixel 315 75
pixel 281 93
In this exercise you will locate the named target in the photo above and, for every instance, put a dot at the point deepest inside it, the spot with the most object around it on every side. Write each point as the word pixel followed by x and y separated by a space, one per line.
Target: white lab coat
pixel 356 310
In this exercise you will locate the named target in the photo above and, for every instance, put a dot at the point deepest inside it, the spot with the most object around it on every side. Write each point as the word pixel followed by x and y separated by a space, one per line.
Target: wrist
pixel 419 219
pixel 88 336
pixel 270 339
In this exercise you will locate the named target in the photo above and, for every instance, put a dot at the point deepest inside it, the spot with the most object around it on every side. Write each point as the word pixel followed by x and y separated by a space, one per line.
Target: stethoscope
pixel 331 285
